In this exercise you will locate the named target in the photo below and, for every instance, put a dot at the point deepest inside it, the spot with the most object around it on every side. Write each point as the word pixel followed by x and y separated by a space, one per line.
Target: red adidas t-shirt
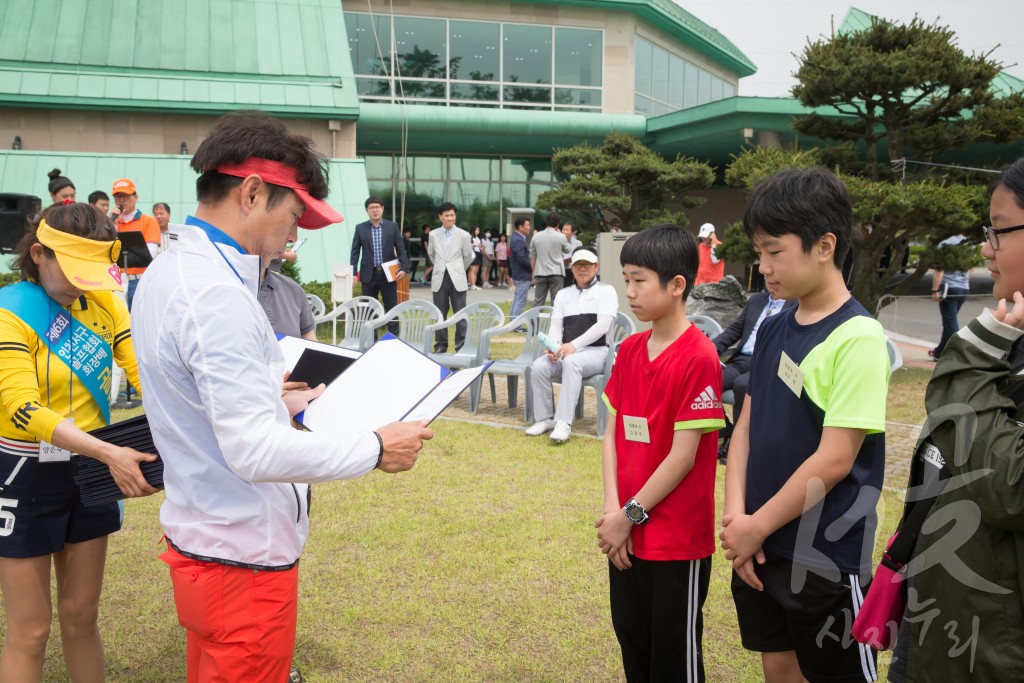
pixel 680 389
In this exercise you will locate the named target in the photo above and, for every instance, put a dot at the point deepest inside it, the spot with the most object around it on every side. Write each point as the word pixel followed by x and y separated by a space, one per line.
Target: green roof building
pixel 418 101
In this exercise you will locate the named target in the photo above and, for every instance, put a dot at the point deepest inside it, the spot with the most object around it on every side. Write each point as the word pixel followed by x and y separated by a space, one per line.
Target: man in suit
pixel 451 251
pixel 519 266
pixel 380 241
pixel 743 333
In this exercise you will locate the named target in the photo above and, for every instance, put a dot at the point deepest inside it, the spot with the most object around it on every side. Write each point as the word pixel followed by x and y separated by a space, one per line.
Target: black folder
pixel 95 483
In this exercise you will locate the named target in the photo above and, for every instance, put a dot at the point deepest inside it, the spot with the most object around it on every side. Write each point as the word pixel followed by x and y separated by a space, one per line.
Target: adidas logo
pixel 706 401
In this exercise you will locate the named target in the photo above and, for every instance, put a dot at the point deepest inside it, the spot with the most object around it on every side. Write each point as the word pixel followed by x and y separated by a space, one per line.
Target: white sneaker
pixel 487 285
pixel 561 432
pixel 474 287
pixel 540 427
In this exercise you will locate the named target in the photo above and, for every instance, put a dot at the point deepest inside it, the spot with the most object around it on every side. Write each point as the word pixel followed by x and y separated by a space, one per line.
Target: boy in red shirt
pixel 659 457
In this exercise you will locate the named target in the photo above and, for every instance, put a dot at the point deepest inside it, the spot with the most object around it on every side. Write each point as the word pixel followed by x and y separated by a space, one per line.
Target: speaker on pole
pixel 15 210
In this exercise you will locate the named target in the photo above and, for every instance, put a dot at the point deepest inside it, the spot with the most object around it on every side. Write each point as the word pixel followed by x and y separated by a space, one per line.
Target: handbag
pixel 880 615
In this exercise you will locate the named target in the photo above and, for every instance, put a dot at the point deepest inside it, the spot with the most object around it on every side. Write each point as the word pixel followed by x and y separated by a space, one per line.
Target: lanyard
pixel 218 236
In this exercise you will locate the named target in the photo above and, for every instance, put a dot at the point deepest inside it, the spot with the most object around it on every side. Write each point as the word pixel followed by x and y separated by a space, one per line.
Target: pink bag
pixel 878 621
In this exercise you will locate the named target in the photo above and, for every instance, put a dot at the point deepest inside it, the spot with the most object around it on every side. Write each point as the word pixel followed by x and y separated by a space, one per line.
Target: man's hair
pixel 245 134
pixel 1012 178
pixel 166 206
pixel 520 221
pixel 373 199
pixel 82 220
pixel 553 220
pixel 446 206
pixel 666 249
pixel 806 203
pixel 97 196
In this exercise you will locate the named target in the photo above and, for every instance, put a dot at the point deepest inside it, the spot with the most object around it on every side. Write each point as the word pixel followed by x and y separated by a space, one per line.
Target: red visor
pixel 318 213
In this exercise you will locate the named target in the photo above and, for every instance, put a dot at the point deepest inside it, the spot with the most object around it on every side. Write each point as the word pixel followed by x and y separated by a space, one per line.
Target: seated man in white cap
pixel 583 315
pixel 710 268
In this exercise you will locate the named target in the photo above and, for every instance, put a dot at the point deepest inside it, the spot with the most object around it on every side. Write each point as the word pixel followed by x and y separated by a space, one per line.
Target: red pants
pixel 240 622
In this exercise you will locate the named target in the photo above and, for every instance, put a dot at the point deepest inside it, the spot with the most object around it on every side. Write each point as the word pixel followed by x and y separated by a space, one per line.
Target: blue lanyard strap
pixel 218 236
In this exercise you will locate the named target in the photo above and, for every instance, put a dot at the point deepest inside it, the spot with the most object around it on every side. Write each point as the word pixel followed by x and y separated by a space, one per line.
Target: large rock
pixel 722 301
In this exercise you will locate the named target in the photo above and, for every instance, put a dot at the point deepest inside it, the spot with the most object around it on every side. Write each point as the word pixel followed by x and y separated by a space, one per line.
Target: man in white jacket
pixel 236 471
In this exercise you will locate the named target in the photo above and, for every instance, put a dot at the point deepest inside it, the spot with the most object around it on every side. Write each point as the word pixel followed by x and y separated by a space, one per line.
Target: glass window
pixel 516 94
pixel 643 105
pixel 379 167
pixel 373 87
pixel 478 204
pixel 717 88
pixel 535 169
pixel 676 79
pixel 425 168
pixel 577 56
pixel 573 96
pixel 690 85
pixel 364 34
pixel 473 91
pixel 659 75
pixel 421 202
pixel 527 54
pixel 419 89
pixel 703 87
pixel 473 47
pixel 729 90
pixel 420 50
pixel 475 168
pixel 662 108
pixel 644 55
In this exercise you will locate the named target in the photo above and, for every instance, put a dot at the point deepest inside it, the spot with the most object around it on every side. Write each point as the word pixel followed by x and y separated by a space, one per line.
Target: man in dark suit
pixel 743 333
pixel 380 241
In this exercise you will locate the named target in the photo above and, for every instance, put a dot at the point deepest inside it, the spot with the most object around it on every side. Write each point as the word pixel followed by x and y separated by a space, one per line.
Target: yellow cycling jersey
pixel 38 390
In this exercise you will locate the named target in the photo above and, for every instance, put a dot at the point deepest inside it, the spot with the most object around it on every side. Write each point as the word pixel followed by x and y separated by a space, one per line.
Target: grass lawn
pixel 479 565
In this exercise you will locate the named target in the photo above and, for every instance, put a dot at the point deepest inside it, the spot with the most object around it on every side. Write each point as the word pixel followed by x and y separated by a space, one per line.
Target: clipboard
pixel 134 250
pixel 391 269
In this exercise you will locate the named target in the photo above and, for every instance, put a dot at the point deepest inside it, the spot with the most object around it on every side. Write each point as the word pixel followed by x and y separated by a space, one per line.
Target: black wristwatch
pixel 635 512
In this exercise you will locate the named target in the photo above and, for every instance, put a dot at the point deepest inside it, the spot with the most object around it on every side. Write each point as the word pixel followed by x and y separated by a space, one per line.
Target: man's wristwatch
pixel 635 512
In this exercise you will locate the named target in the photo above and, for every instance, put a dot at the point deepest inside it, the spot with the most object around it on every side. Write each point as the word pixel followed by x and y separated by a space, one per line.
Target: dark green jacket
pixel 968 624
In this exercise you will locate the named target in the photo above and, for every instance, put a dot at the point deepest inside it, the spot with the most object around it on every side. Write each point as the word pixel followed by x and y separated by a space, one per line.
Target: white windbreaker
pixel 211 374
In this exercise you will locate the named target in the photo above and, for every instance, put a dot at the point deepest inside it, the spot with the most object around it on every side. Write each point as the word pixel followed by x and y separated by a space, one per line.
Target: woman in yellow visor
pixel 60 328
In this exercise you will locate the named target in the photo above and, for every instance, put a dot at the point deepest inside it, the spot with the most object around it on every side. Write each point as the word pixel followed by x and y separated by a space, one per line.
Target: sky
pixel 771 32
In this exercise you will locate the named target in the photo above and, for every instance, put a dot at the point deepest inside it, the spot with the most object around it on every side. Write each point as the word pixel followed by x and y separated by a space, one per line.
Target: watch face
pixel 634 513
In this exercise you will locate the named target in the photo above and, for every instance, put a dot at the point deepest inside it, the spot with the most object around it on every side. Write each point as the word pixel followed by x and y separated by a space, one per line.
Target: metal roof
pixel 186 56
pixel 677 22
pixel 168 178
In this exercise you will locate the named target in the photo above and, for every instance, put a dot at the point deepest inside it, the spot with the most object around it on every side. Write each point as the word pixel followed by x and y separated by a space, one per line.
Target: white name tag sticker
pixel 636 429
pixel 791 374
pixel 50 453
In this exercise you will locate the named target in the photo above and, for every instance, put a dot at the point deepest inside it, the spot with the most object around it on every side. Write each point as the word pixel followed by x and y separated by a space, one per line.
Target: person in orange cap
pixel 236 472
pixel 127 218
pixel 60 327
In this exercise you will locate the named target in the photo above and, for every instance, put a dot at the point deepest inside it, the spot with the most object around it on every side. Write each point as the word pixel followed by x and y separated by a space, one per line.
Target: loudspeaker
pixel 15 210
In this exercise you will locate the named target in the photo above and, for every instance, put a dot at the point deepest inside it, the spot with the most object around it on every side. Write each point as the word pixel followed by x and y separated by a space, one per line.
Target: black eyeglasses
pixel 992 234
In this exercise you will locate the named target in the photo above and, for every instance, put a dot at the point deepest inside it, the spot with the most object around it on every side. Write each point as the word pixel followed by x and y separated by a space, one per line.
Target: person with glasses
pixel 973 568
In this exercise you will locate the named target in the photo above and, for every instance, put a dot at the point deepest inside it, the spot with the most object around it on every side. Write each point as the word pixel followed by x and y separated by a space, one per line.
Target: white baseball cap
pixel 706 230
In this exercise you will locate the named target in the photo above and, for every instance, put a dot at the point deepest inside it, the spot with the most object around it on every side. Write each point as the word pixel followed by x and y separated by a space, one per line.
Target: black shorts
pixel 40 508
pixel 657 615
pixel 815 623
pixel 503 264
pixel 477 259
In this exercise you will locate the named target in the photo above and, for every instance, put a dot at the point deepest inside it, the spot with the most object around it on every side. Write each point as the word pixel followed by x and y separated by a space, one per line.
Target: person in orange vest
pixel 711 268
pixel 129 219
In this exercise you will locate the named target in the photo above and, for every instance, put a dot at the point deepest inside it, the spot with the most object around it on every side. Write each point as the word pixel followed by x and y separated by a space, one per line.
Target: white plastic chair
pixel 479 317
pixel 537 319
pixel 621 328
pixel 413 319
pixel 316 304
pixel 895 356
pixel 708 325
pixel 354 314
